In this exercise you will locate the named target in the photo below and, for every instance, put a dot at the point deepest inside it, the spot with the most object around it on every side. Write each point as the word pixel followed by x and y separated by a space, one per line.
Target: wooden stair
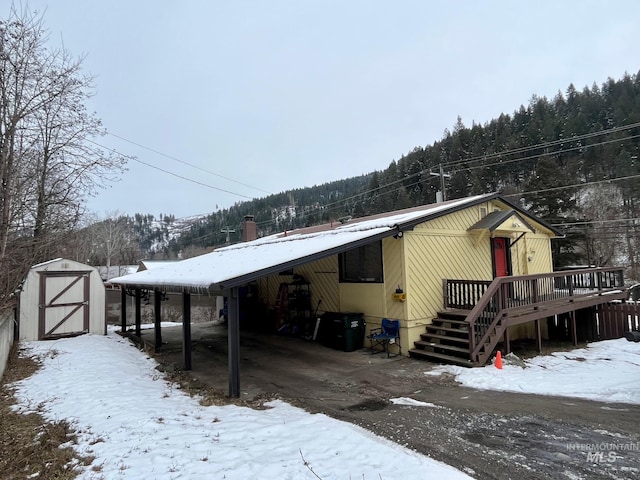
pixel 446 340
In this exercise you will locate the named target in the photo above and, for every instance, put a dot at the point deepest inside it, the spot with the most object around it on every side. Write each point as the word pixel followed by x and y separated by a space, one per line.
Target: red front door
pixel 500 257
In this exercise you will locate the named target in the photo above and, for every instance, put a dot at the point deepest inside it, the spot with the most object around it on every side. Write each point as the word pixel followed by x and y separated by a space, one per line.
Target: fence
pixel 614 319
pixel 7 324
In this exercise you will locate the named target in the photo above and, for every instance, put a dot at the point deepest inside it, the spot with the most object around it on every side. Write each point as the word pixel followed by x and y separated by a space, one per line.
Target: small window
pixel 483 212
pixel 362 264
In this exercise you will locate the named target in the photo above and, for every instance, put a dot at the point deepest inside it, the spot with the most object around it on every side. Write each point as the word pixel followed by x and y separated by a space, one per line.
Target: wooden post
pixel 123 310
pixel 233 332
pixel 157 307
pixel 538 336
pixel 186 329
pixel 138 312
pixel 574 334
pixel 507 342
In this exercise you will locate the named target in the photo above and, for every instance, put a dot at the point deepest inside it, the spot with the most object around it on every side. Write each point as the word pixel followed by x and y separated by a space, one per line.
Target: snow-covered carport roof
pixel 239 264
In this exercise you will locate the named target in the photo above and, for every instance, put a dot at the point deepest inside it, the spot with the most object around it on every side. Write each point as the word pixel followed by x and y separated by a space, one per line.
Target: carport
pixel 225 270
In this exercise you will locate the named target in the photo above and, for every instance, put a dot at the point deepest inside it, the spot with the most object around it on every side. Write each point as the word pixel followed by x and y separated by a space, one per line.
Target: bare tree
pixel 48 160
pixel 601 205
pixel 114 241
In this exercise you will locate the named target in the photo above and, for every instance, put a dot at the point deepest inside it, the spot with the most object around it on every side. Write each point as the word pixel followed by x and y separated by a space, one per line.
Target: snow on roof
pixel 53 260
pixel 233 265
pixel 149 264
pixel 116 271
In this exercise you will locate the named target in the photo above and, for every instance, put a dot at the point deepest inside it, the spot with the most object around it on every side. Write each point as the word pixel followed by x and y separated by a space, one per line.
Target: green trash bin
pixel 342 330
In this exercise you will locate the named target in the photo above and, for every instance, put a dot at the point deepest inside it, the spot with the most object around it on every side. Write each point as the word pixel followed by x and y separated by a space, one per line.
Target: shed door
pixel 64 304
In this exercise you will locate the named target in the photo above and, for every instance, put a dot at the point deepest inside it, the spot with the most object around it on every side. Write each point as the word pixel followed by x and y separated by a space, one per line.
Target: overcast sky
pixel 265 96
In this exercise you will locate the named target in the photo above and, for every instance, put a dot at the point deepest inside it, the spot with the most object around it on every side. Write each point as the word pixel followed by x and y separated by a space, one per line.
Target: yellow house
pixel 401 275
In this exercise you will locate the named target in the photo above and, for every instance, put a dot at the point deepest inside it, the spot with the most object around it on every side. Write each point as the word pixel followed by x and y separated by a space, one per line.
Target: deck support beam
pixel 233 333
pixel 186 329
pixel 538 336
pixel 157 313
pixel 574 334
pixel 507 342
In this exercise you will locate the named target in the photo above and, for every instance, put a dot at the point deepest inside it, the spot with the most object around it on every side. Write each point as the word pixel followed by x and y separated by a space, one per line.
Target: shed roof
pixel 238 264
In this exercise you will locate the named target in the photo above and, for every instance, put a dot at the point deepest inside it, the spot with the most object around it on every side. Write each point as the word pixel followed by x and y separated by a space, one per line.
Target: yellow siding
pixel 537 253
pixel 394 277
pixel 321 274
pixel 367 298
pixel 528 330
pixel 436 255
pixel 443 249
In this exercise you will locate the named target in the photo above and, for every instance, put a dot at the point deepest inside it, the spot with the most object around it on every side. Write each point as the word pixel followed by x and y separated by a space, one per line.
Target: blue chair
pixel 388 333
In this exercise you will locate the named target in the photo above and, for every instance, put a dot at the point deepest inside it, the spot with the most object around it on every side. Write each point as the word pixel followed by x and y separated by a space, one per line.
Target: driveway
pixel 487 434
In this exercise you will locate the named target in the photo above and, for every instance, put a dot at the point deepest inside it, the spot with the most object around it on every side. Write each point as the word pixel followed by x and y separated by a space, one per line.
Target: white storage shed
pixel 61 298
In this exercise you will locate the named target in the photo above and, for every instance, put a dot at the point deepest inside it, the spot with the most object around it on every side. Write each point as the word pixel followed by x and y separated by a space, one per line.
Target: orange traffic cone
pixel 499 360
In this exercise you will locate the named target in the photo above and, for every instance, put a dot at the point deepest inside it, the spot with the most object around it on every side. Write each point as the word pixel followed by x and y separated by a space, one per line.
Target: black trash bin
pixel 342 330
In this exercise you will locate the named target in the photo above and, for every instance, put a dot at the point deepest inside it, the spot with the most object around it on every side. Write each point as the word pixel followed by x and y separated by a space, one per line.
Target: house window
pixel 362 264
pixel 483 212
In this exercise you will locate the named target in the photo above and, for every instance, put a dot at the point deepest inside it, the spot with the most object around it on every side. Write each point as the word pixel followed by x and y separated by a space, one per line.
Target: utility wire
pixel 593 222
pixel 576 185
pixel 113 150
pixel 453 164
pixel 341 202
pixel 531 157
pixel 170 157
pixel 502 162
pixel 423 171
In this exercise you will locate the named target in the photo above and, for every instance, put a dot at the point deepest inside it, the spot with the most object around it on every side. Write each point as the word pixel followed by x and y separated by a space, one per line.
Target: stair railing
pixel 506 294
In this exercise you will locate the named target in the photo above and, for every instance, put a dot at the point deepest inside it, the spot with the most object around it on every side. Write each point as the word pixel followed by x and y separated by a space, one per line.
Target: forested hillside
pixel 571 159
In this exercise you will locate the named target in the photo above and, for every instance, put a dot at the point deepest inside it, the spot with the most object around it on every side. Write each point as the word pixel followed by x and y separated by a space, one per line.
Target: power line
pixel 531 157
pixel 327 207
pixel 576 185
pixel 449 164
pixel 170 157
pixel 476 158
pixel 113 150
pixel 503 162
pixel 594 222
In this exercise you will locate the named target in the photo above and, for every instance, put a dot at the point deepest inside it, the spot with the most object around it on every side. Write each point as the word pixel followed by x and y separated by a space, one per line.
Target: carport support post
pixel 157 305
pixel 123 310
pixel 233 335
pixel 138 296
pixel 186 329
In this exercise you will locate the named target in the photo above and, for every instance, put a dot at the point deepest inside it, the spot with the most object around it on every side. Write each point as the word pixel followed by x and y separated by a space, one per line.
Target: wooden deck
pixel 478 314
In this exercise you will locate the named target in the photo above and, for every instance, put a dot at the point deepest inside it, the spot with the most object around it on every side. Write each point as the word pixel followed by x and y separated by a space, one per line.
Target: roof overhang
pixel 503 221
pixel 240 264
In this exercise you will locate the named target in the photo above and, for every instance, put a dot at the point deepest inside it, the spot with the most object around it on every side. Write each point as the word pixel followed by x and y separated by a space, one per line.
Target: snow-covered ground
pixel 608 371
pixel 139 426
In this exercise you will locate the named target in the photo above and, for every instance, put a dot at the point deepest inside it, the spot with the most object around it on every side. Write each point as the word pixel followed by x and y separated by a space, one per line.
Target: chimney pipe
pixel 249 229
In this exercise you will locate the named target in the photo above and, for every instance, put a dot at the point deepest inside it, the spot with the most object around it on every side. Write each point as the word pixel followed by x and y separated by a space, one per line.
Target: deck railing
pixel 464 294
pixel 506 294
